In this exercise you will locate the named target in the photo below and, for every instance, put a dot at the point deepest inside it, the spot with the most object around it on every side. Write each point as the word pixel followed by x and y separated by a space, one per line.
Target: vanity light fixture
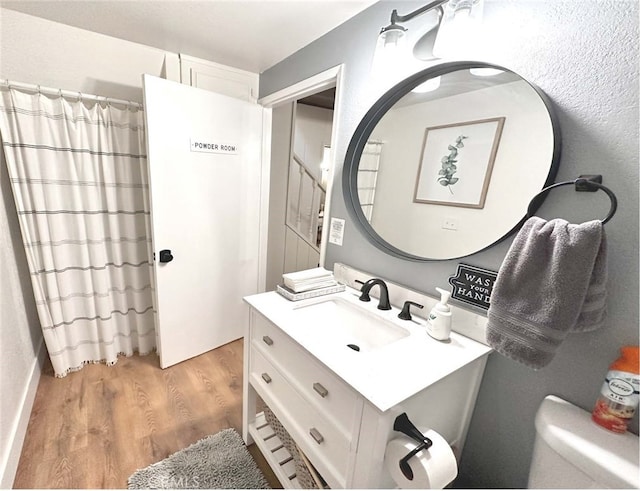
pixel 458 28
pixel 457 22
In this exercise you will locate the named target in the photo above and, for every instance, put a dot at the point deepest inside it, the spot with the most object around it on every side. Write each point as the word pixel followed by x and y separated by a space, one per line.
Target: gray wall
pixel 584 55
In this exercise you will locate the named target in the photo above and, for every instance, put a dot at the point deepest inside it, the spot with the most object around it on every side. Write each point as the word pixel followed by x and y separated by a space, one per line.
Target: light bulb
pixel 485 72
pixel 458 28
pixel 392 37
pixel 428 86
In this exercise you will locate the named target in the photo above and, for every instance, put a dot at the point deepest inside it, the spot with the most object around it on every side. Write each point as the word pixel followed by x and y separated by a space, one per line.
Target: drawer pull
pixel 315 434
pixel 267 340
pixel 320 389
pixel 266 378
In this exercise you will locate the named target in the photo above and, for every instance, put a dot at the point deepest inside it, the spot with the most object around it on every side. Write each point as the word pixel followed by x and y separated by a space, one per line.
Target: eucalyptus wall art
pixel 456 163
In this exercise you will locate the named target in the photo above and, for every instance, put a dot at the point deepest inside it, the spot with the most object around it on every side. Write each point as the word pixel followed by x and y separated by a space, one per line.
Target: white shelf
pixel 274 452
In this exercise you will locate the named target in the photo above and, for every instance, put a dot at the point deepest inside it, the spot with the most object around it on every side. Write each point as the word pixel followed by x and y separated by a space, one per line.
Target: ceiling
pixel 458 82
pixel 325 99
pixel 248 34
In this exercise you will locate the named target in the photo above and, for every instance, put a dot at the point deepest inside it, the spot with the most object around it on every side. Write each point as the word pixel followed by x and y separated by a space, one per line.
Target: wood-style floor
pixel 95 427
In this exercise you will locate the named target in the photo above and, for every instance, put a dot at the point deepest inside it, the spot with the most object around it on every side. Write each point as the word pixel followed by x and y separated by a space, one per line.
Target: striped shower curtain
pixel 79 179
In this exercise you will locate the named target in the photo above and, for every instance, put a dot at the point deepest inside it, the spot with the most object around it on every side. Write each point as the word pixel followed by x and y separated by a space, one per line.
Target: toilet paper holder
pixel 404 425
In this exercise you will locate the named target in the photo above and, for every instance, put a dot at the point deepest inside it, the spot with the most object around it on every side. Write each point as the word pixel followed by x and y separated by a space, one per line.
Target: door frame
pixel 312 85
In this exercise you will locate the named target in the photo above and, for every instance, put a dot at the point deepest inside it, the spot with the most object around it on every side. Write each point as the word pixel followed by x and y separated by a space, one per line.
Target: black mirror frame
pixel 375 114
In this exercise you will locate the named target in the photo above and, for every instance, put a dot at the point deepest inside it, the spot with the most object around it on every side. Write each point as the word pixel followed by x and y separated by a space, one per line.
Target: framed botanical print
pixel 456 163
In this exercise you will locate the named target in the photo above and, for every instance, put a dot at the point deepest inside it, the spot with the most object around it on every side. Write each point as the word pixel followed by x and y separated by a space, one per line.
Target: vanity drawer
pixel 323 443
pixel 321 387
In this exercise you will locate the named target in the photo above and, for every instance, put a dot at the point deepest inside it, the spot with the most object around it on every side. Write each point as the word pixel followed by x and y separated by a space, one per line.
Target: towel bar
pixel 582 183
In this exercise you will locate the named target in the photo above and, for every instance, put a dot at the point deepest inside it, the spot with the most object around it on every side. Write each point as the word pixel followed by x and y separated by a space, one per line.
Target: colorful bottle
pixel 619 394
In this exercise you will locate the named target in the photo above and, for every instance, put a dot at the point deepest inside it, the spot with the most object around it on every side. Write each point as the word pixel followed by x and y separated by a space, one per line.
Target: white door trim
pixel 321 81
pixel 264 198
pixel 299 90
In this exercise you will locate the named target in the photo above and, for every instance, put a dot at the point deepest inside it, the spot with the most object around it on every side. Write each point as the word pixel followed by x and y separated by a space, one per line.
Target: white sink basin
pixel 397 358
pixel 340 324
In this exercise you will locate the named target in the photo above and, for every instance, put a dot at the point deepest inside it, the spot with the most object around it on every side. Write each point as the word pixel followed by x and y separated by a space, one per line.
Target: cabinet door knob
pixel 319 388
pixel 266 378
pixel 315 434
pixel 267 340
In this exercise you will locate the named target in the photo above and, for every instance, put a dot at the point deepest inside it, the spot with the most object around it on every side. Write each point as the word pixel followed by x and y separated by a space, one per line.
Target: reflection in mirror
pixel 447 172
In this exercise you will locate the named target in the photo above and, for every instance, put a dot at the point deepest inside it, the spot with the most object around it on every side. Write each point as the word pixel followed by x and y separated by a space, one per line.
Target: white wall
pixel 281 131
pixel 38 51
pixel 20 336
pixel 312 133
pixel 41 52
pixel 524 145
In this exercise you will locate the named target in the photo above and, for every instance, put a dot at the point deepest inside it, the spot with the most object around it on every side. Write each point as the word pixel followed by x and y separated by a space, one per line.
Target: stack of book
pixel 308 284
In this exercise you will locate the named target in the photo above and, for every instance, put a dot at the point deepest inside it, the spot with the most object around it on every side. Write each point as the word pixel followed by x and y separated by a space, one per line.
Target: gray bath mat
pixel 220 461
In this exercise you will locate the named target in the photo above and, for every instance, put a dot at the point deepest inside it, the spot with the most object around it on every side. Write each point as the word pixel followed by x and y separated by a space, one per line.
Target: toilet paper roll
pixel 433 468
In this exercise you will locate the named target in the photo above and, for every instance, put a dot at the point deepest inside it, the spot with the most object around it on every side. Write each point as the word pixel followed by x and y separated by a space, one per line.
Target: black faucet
pixel 384 293
pixel 405 314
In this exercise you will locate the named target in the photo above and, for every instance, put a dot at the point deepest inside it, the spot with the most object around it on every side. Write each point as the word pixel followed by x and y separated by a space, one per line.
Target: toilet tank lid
pixel 609 458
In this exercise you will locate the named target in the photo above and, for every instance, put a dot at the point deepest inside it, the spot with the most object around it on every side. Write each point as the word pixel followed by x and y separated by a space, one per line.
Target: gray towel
pixel 594 308
pixel 539 294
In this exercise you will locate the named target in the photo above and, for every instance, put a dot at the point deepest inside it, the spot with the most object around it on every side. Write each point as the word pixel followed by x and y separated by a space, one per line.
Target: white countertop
pixel 385 376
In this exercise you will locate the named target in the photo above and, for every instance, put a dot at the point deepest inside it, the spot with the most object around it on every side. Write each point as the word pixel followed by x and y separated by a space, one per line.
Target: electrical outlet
pixel 450 223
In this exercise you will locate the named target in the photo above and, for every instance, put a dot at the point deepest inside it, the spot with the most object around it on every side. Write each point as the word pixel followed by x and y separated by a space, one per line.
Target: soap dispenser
pixel 439 321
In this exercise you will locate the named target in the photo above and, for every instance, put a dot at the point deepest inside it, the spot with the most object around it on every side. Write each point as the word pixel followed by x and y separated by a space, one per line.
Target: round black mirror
pixel 444 164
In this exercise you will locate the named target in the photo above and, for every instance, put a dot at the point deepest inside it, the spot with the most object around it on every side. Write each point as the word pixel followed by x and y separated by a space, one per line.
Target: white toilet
pixel 571 451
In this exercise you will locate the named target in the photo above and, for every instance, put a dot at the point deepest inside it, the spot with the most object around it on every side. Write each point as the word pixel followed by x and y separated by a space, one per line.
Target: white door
pixel 204 151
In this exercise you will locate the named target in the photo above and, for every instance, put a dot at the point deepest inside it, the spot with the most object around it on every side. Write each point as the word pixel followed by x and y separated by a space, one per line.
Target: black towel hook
pixel 583 183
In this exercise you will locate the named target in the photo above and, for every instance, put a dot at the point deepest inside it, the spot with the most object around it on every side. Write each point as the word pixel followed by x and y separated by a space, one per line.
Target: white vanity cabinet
pixel 334 415
pixel 319 410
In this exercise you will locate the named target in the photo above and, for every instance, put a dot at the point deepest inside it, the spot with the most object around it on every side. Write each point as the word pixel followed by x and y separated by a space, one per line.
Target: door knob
pixel 166 256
